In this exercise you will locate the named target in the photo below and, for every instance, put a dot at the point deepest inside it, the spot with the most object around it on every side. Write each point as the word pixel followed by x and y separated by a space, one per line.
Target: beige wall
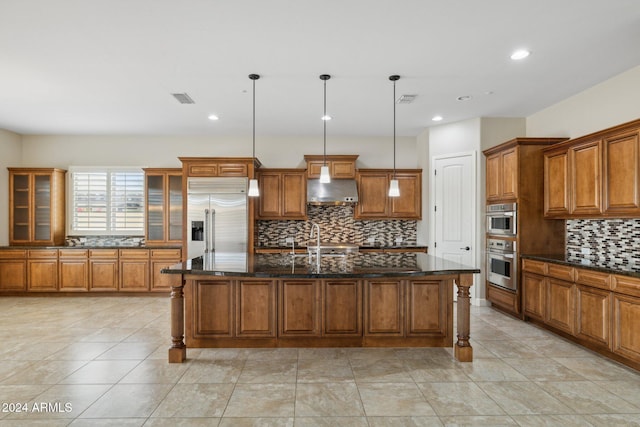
pixel 607 104
pixel 64 151
pixel 10 147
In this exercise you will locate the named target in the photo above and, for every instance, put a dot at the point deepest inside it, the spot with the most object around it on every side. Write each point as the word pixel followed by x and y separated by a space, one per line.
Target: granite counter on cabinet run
pixel 280 300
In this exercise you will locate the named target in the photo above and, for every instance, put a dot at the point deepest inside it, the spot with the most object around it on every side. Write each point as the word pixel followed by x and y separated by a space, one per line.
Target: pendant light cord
pixel 324 123
pixel 394 129
pixel 254 118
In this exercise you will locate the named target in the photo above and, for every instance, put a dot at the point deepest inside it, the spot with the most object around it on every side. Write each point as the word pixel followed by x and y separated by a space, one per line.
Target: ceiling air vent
pixel 183 98
pixel 406 99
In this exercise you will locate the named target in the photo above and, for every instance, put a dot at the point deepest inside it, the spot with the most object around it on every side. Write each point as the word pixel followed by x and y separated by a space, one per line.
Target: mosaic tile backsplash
pixel 337 225
pixel 613 243
pixel 129 241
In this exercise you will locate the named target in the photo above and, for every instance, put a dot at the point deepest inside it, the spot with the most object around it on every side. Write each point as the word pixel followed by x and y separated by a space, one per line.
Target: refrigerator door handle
pixel 213 230
pixel 206 231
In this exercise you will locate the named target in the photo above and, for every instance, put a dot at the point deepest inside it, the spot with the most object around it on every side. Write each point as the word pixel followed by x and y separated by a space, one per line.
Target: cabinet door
pixel 73 270
pixel 534 295
pixel 509 174
pixel 42 275
pixel 103 274
pixel 593 309
pixel 626 334
pixel 174 207
pixel 13 270
pixel 373 189
pixel 561 305
pixel 270 202
pixel 256 308
pixel 622 174
pixel 384 308
pixel 156 207
pixel 163 258
pixel 343 169
pixel 214 314
pixel 585 167
pixel 300 308
pixel 134 270
pixel 342 308
pixel 556 184
pixel 294 195
pixel 409 204
pixel 493 177
pixel 426 315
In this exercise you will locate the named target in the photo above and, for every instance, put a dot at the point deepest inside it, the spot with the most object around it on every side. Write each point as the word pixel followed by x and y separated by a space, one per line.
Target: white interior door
pixel 454 208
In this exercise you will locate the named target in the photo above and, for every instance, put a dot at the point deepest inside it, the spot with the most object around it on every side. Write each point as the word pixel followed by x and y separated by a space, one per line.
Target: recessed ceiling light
pixel 520 54
pixel 436 118
pixel 326 118
pixel 464 98
pixel 213 117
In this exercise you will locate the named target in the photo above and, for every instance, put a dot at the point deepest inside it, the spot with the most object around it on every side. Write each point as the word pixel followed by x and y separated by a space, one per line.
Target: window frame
pixel 108 231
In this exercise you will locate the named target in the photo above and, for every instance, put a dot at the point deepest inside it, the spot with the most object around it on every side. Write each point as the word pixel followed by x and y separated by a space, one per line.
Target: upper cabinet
pixel 595 176
pixel 219 166
pixel 340 166
pixel 36 206
pixel 374 201
pixel 502 175
pixel 163 206
pixel 283 194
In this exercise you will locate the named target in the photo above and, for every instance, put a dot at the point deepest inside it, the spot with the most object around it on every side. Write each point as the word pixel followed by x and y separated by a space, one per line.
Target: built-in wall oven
pixel 502 263
pixel 501 219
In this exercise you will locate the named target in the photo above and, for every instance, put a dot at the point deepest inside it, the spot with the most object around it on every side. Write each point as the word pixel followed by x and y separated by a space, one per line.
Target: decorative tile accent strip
pixel 105 241
pixel 612 243
pixel 337 225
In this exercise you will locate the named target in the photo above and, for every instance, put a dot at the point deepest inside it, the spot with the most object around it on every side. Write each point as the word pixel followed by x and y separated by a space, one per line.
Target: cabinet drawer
pixel 13 254
pixel 532 266
pixel 43 253
pixel 103 253
pixel 233 169
pixel 626 285
pixel 561 272
pixel 203 170
pixel 134 253
pixel 165 253
pixel 73 253
pixel 593 278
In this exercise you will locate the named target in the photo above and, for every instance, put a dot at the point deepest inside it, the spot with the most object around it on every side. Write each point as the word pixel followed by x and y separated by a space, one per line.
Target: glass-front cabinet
pixel 164 206
pixel 37 209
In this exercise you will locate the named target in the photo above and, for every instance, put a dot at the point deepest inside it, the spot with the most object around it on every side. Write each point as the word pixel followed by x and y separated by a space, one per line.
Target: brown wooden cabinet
pixel 283 194
pixel 383 308
pixel 593 315
pixel 255 308
pixel 534 291
pixel 342 308
pixel 13 270
pixel 73 270
pixel 163 258
pixel 300 308
pixel 595 176
pixel 423 299
pixel 36 206
pixel 373 194
pixel 42 270
pixel 219 166
pixel 214 316
pixel 340 166
pixel 163 195
pixel 502 175
pixel 626 318
pixel 560 305
pixel 133 267
pixel 103 270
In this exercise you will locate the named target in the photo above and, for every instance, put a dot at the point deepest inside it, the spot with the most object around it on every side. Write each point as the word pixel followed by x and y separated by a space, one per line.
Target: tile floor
pixel 88 361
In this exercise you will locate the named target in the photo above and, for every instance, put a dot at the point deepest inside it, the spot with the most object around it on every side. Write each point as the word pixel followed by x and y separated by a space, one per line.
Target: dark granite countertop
pixel 357 265
pixel 92 247
pixel 411 246
pixel 621 269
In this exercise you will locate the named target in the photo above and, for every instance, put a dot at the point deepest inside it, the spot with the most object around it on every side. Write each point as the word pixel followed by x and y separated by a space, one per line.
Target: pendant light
pixel 254 191
pixel 325 177
pixel 394 189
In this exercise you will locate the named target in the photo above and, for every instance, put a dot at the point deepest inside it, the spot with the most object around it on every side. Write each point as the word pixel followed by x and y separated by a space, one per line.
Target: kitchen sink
pixel 332 248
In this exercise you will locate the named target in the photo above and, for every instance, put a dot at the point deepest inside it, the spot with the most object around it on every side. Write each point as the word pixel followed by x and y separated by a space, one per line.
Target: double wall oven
pixel 502 255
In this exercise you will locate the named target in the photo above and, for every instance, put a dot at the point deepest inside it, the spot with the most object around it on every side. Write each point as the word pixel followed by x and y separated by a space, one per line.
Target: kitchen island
pixel 285 300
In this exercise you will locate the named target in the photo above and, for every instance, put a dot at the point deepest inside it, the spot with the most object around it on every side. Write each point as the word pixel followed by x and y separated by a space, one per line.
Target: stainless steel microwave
pixel 502 219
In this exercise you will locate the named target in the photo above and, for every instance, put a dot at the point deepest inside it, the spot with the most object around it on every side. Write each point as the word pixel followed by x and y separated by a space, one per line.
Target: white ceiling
pixel 109 66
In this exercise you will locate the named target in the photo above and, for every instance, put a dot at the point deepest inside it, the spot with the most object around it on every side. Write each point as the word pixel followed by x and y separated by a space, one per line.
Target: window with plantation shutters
pixel 106 201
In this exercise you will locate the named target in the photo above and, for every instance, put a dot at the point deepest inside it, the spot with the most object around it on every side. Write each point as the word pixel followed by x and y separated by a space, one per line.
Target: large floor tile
pixel 516 397
pixel 269 371
pixel 328 399
pixel 195 400
pixel 101 372
pixel 459 398
pixel 322 371
pixel 213 371
pixel 585 397
pixel 128 401
pixel 262 400
pixel 393 399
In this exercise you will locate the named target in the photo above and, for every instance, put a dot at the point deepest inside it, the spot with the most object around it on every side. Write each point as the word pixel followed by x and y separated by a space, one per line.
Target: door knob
pixel 466 248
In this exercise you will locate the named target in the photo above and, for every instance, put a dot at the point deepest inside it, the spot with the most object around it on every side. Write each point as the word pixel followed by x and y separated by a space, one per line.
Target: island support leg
pixel 178 350
pixel 462 349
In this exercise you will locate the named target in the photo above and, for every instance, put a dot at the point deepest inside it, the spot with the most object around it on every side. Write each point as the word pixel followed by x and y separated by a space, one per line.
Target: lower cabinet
pixel 534 290
pixel 383 312
pixel 561 305
pixel 42 270
pixel 593 315
pixel 163 258
pixel 341 308
pixel 13 270
pixel 299 308
pixel 214 315
pixel 73 270
pixel 134 270
pixel 423 301
pixel 256 313
pixel 626 318
pixel 103 270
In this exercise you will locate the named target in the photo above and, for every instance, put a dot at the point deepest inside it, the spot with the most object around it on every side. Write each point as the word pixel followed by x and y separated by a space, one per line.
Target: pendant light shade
pixel 394 189
pixel 325 177
pixel 254 191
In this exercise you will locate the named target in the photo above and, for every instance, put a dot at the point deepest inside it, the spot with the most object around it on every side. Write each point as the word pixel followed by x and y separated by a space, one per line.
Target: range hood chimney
pixel 336 192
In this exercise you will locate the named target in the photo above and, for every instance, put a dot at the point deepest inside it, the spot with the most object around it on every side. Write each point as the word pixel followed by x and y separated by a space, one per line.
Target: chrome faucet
pixel 317 227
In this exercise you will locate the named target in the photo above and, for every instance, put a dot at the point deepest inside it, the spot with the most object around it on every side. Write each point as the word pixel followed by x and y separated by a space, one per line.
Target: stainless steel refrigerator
pixel 217 216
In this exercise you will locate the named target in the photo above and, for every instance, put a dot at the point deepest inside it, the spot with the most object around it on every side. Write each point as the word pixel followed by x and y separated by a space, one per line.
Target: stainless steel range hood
pixel 337 192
